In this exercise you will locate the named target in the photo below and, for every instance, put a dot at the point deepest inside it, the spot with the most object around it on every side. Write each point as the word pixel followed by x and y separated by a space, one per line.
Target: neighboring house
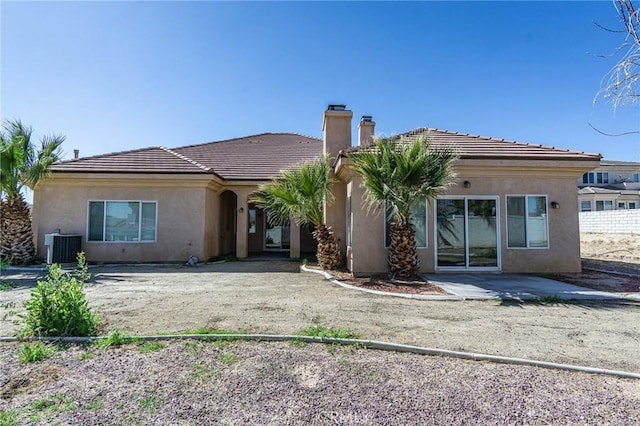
pixel 614 185
pixel 512 208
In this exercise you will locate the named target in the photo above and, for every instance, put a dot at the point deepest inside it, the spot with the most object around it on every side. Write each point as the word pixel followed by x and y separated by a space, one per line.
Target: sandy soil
pixel 243 296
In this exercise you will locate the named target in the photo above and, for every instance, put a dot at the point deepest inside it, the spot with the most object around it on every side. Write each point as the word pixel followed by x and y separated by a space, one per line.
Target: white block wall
pixel 611 222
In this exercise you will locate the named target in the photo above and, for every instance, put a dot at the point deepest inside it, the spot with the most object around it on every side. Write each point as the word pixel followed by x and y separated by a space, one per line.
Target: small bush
pixel 34 352
pixel 116 337
pixel 7 285
pixel 332 332
pixel 58 306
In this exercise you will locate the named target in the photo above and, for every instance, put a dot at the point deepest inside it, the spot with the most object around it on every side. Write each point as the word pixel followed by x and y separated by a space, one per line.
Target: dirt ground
pixel 234 383
pixel 184 382
pixel 275 297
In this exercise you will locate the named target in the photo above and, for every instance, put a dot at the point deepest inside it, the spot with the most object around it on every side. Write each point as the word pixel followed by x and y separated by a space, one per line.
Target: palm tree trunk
pixel 403 256
pixel 16 234
pixel 328 252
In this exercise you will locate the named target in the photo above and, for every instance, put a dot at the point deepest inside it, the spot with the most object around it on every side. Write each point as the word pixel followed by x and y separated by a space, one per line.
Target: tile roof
pixel 483 147
pixel 257 157
pixel 146 160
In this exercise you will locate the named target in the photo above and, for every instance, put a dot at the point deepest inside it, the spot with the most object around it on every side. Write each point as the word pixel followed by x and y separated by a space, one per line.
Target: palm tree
pixel 21 165
pixel 299 193
pixel 398 173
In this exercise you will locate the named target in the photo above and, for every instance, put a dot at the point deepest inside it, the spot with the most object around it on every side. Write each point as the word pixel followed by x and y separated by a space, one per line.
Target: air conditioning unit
pixel 62 248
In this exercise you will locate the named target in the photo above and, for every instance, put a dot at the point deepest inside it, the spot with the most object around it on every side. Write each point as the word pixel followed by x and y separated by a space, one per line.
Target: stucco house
pixel 613 185
pixel 513 207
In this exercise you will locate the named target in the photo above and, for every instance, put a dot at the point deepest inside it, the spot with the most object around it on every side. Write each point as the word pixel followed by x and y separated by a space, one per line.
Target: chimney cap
pixel 336 107
pixel 366 118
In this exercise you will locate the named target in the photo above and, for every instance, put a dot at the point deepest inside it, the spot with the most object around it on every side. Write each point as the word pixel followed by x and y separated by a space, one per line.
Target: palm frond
pixel 298 193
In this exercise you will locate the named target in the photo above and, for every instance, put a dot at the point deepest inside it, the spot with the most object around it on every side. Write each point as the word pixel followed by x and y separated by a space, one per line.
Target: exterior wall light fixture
pixel 555 205
pixel 467 184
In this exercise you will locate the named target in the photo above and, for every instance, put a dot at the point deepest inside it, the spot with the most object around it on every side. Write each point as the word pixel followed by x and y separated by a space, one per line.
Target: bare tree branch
pixel 621 85
pixel 633 132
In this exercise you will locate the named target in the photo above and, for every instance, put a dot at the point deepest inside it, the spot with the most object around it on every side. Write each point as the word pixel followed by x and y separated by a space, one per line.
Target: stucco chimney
pixel 366 129
pixel 76 154
pixel 336 128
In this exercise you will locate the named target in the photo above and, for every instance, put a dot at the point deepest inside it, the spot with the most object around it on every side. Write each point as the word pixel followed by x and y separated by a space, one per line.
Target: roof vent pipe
pixel 76 154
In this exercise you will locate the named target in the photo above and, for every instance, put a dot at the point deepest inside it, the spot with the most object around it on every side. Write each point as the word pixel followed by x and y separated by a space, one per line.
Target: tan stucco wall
pixel 367 254
pixel 61 202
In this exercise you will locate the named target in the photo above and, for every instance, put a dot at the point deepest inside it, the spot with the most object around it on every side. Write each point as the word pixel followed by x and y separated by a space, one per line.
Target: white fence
pixel 611 222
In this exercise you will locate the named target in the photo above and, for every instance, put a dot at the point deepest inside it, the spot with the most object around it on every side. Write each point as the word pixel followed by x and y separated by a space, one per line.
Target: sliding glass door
pixel 467 233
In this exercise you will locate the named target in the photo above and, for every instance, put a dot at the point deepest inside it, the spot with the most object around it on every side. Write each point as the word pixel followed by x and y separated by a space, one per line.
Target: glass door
pixel 276 237
pixel 467 233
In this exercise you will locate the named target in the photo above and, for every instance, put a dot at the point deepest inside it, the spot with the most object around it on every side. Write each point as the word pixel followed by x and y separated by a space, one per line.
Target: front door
pixel 276 237
pixel 467 233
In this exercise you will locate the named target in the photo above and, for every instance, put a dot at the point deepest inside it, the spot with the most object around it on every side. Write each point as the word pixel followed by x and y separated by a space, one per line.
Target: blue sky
pixel 113 76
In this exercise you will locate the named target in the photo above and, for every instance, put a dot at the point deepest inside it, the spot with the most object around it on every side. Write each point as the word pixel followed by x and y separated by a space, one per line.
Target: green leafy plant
pixel 58 306
pixel 34 352
pixel 6 285
pixel 8 418
pixel 551 299
pixel 332 332
pixel 116 337
pixel 148 347
pixel 228 358
pixel 150 404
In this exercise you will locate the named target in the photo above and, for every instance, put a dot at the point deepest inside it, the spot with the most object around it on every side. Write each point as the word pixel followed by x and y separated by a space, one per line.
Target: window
pixel 632 205
pixel 636 177
pixel 418 220
pixel 527 225
pixel 599 178
pixel 585 206
pixel 122 221
pixel 604 205
pixel 621 205
pixel 602 177
pixel 252 221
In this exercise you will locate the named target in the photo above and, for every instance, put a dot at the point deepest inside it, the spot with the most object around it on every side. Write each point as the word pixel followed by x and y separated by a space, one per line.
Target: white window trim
pixel 590 205
pixel 526 221
pixel 426 227
pixel 104 222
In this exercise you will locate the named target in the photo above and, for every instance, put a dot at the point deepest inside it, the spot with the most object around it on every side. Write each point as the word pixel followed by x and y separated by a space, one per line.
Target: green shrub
pixel 116 337
pixel 58 306
pixel 34 352
pixel 332 332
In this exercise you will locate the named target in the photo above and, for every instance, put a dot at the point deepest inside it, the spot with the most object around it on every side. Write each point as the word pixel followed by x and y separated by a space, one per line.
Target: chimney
pixel 76 154
pixel 336 128
pixel 366 129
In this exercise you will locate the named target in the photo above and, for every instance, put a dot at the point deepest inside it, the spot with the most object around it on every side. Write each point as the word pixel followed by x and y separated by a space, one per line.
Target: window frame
pixel 104 222
pixel 604 209
pixel 426 227
pixel 582 203
pixel 526 221
pixel 349 224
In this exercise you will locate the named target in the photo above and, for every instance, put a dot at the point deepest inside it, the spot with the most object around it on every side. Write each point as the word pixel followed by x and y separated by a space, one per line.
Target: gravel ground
pixel 188 382
pixel 228 383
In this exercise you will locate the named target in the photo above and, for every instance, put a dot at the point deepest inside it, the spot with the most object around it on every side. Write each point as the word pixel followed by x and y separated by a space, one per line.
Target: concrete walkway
pixel 513 287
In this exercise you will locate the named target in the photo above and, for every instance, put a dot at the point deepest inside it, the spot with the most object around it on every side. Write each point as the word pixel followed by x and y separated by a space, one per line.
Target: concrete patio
pixel 512 287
